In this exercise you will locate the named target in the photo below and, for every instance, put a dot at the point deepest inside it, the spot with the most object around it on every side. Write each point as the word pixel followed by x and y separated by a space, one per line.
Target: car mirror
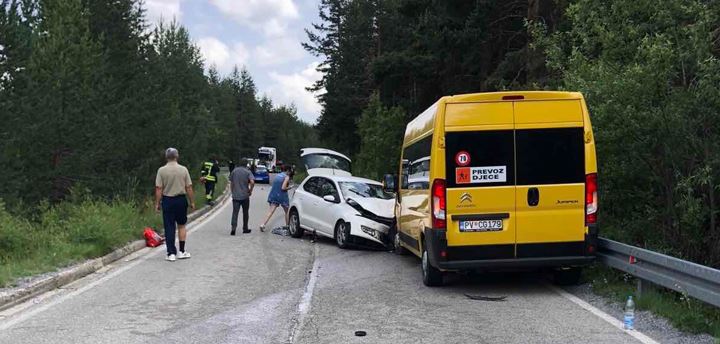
pixel 390 183
pixel 330 198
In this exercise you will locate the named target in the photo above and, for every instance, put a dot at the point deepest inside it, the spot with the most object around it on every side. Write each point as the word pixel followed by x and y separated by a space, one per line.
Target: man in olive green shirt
pixel 173 187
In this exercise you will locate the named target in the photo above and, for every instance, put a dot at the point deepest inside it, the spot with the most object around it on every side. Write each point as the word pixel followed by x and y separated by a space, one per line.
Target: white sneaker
pixel 184 255
pixel 170 258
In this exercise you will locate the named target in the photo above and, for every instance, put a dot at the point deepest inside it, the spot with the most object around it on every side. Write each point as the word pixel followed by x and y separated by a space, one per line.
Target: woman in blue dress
pixel 278 196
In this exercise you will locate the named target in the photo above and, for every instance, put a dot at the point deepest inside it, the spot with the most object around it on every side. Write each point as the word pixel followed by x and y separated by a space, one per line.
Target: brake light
pixel 438 203
pixel 591 198
pixel 514 97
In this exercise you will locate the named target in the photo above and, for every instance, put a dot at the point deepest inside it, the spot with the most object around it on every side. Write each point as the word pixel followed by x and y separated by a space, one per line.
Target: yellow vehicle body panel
pixel 558 216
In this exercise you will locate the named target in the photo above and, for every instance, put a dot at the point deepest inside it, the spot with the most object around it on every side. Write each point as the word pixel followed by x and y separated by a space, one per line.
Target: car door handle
pixel 533 197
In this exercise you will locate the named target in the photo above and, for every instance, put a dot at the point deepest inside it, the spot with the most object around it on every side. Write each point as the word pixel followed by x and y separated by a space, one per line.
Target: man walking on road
pixel 242 183
pixel 173 187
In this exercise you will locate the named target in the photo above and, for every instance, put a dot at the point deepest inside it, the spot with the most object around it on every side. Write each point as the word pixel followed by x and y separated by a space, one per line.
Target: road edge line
pixel 305 303
pixel 17 296
pixel 643 338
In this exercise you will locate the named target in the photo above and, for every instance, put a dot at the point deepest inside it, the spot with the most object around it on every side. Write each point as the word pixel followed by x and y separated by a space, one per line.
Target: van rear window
pixel 550 156
pixel 490 158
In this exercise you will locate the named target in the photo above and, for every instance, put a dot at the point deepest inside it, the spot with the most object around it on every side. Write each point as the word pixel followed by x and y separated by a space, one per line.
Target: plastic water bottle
pixel 629 318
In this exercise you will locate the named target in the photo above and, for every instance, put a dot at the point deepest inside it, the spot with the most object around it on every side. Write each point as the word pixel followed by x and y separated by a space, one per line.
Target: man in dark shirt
pixel 242 183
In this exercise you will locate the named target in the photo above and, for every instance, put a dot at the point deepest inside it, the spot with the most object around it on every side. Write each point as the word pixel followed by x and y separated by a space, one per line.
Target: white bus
pixel 267 157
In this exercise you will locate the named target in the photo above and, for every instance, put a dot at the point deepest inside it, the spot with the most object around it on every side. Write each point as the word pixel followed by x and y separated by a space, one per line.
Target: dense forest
pixel 650 71
pixel 91 94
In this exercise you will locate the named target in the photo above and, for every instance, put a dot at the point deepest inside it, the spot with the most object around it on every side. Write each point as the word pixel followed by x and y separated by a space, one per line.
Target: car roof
pixel 307 151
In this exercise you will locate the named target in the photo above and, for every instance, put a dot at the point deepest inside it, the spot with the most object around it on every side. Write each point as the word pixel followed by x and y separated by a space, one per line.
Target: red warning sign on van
pixel 462 175
pixel 480 175
pixel 462 158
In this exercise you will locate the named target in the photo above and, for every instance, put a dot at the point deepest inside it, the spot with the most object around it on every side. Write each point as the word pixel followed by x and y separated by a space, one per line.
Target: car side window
pixel 311 186
pixel 327 187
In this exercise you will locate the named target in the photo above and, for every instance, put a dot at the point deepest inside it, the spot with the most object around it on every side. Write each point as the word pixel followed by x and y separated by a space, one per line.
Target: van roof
pixel 498 96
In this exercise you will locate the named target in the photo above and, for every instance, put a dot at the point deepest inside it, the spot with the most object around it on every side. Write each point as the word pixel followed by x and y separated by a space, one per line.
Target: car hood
pixel 328 172
pixel 379 207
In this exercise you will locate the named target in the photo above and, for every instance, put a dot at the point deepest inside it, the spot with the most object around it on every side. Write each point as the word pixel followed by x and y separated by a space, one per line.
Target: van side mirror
pixel 330 198
pixel 390 183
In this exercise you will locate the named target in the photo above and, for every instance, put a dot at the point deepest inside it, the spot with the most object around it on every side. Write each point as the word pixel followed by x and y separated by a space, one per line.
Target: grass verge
pixel 683 312
pixel 66 233
pixel 73 231
pixel 199 189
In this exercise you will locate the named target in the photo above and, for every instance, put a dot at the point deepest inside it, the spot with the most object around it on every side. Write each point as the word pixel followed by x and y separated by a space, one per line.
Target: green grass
pixel 73 231
pixel 299 176
pixel 199 189
pixel 685 313
pixel 67 233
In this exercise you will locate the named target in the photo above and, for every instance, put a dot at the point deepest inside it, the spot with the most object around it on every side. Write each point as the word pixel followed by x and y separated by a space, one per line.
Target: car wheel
pixel 295 230
pixel 395 240
pixel 569 276
pixel 432 277
pixel 342 234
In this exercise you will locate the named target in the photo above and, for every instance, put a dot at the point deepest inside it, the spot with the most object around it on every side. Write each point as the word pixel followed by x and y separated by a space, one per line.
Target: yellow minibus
pixel 494 181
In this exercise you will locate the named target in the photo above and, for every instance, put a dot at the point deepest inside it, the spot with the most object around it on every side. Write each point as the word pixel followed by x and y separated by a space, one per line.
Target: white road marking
pixel 602 315
pixel 306 299
pixel 142 256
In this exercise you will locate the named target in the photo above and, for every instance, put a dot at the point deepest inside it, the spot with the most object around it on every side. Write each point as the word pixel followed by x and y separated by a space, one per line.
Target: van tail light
pixel 438 204
pixel 591 198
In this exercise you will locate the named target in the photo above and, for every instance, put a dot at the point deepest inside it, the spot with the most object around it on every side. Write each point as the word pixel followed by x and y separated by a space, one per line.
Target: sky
pixel 263 35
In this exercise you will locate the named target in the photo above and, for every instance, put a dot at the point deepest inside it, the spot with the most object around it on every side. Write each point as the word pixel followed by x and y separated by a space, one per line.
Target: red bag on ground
pixel 152 239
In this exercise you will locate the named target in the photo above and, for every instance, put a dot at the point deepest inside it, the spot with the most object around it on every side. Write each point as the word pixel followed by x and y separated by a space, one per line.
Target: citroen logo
pixel 465 197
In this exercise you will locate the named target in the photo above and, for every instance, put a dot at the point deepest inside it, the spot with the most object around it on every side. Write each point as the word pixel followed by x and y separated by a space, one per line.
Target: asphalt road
pixel 266 288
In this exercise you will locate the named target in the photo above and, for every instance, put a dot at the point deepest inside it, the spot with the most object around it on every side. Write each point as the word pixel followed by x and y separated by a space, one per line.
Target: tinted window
pixel 550 156
pixel 327 187
pixel 491 156
pixel 311 185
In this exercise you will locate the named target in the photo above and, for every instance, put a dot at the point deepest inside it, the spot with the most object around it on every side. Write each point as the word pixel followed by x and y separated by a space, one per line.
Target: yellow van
pixel 501 180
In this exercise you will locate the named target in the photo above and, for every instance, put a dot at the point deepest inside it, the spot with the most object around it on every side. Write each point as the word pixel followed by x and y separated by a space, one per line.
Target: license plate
pixel 481 226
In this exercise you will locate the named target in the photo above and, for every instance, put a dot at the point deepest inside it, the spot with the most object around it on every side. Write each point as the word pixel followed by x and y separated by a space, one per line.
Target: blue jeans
pixel 174 212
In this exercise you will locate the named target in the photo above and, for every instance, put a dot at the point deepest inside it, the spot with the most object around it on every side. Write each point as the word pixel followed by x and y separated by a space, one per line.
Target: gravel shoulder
pixel 654 326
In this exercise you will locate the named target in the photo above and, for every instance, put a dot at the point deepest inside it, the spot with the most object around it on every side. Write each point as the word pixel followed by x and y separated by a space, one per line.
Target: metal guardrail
pixel 698 281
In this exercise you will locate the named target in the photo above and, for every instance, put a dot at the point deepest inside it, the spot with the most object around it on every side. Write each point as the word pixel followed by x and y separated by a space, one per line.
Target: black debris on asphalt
pixel 284 231
pixel 486 298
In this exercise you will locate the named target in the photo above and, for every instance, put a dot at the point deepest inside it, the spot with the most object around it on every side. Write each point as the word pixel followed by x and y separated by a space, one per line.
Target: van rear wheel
pixel 569 276
pixel 432 276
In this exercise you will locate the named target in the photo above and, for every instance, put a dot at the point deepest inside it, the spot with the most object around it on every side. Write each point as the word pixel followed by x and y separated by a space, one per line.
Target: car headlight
pixel 369 231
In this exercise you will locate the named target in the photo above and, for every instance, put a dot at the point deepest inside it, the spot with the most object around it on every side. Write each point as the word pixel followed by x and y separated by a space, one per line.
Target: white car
pixel 350 210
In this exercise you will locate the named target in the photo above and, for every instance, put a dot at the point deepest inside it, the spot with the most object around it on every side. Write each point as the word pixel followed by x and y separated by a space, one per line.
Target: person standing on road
pixel 208 175
pixel 278 196
pixel 242 183
pixel 173 187
pixel 231 166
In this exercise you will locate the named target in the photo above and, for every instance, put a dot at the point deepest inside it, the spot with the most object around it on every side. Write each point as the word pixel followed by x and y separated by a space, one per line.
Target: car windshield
pixel 364 190
pixel 261 169
pixel 326 161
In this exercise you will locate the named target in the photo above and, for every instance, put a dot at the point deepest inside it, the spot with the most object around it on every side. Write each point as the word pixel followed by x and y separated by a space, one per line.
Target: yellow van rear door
pixel 550 176
pixel 480 180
